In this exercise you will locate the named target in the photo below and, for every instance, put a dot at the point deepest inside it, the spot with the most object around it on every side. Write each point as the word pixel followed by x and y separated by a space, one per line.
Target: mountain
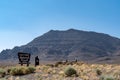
pixel 70 44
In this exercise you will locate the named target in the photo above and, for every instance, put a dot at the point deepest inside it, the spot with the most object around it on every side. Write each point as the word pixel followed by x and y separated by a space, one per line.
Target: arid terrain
pixel 61 53
pixel 69 44
pixel 62 71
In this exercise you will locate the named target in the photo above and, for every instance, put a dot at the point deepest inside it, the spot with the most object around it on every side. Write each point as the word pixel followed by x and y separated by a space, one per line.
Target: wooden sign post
pixel 24 58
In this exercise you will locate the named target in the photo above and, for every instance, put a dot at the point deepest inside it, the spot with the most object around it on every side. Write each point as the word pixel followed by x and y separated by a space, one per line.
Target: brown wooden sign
pixel 24 58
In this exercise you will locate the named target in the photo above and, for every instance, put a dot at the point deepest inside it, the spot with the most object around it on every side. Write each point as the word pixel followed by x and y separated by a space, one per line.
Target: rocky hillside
pixel 70 44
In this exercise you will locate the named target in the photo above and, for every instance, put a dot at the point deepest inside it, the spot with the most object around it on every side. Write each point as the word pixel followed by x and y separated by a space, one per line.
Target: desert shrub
pixel 25 70
pixel 14 71
pixel 2 72
pixel 69 71
pixel 21 70
pixel 98 72
pixel 51 65
pixel 8 71
pixel 107 77
pixel 58 63
pixel 31 69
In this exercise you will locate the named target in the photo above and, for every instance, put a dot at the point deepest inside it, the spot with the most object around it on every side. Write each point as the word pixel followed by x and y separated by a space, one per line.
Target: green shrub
pixel 31 69
pixel 8 71
pixel 98 72
pixel 13 71
pixel 107 77
pixel 21 70
pixel 24 70
pixel 69 71
pixel 2 72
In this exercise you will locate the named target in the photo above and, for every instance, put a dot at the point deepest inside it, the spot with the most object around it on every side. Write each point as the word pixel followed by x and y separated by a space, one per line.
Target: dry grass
pixel 21 70
pixel 2 72
pixel 84 71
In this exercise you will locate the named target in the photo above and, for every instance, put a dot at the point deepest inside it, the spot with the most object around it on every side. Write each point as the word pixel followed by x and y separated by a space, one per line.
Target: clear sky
pixel 23 20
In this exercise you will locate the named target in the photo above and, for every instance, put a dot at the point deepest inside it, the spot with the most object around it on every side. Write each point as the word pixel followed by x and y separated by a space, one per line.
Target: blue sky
pixel 23 20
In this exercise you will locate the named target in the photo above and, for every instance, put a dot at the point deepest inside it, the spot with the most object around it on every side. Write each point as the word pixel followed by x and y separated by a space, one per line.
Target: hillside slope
pixel 70 44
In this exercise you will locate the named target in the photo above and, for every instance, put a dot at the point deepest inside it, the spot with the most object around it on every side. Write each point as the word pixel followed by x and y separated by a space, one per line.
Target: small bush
pixel 21 70
pixel 51 65
pixel 14 71
pixel 107 77
pixel 2 72
pixel 58 63
pixel 25 70
pixel 8 71
pixel 31 69
pixel 98 72
pixel 69 71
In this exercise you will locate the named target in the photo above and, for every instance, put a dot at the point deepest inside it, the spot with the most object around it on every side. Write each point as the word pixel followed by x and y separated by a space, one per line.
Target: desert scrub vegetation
pixel 80 71
pixel 98 72
pixel 107 77
pixel 21 70
pixel 69 71
pixel 31 69
pixel 75 71
pixel 2 72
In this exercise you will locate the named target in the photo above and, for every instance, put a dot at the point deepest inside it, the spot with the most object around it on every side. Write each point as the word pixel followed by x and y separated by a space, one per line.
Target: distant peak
pixel 71 30
pixel 51 30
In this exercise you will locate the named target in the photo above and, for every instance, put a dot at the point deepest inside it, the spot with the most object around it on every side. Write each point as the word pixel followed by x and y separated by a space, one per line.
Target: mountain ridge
pixel 70 44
